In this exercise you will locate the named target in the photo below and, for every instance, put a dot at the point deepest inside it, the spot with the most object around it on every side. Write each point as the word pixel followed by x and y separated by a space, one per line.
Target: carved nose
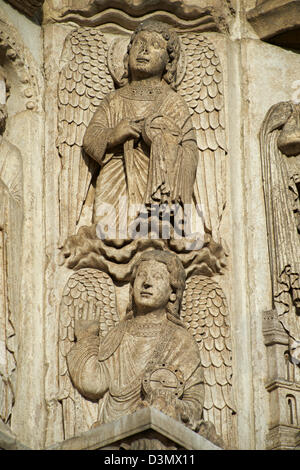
pixel 146 285
pixel 144 48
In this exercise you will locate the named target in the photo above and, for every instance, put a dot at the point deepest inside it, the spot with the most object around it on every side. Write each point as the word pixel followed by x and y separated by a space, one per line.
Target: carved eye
pixel 142 273
pixel 137 43
pixel 158 276
pixel 156 45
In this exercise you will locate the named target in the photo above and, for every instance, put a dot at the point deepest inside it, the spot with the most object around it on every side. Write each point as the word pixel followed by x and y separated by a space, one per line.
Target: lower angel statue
pixel 147 359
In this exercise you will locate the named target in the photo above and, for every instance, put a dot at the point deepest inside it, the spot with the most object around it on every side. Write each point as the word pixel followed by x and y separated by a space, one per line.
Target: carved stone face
pixel 148 55
pixel 151 289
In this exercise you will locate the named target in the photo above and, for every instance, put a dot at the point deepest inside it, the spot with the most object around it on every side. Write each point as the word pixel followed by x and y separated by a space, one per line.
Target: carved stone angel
pixel 147 359
pixel 280 148
pixel 150 136
pixel 175 336
pixel 146 140
pixel 142 135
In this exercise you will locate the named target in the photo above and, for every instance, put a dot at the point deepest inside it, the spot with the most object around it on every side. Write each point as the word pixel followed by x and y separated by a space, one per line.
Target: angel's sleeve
pixel 98 133
pixel 187 160
pixel 88 375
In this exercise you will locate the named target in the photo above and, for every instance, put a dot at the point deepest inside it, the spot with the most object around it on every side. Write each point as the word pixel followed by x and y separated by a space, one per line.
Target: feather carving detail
pixel 202 88
pixel 89 295
pixel 205 314
pixel 83 82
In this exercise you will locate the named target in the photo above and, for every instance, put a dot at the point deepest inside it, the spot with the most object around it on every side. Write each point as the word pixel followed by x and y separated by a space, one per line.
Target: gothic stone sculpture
pixel 147 144
pixel 145 127
pixel 91 331
pixel 151 135
pixel 149 358
pixel 11 217
pixel 280 147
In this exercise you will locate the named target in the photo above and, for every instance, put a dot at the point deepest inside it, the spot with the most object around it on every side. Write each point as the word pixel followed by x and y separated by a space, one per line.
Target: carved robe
pixel 115 370
pixel 10 246
pixel 159 171
pixel 281 174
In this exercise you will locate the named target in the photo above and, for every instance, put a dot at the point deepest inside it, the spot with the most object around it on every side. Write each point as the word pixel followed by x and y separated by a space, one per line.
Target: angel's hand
pixel 157 125
pixel 86 328
pixel 123 131
pixel 165 401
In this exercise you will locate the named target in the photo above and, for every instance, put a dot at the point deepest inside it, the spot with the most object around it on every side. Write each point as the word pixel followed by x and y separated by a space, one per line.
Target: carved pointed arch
pixel 20 63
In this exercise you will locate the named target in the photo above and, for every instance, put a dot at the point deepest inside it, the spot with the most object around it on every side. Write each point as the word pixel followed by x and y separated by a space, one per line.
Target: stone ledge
pixel 130 425
pixel 282 384
pixel 283 437
pixel 190 15
pixel 273 17
pixel 29 7
pixel 8 441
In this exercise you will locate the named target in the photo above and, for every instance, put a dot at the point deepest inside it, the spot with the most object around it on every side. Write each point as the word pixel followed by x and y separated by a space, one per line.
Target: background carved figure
pixel 280 147
pixel 11 216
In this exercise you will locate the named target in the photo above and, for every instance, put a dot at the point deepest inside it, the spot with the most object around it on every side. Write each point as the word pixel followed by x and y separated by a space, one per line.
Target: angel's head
pixel 157 282
pixel 153 50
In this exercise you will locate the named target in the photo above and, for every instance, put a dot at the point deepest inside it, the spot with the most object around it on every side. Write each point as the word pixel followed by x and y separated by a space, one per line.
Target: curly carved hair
pixel 177 279
pixel 173 49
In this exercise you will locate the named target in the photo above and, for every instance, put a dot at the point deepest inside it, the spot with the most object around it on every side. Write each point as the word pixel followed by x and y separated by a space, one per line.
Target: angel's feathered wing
pixel 83 82
pixel 202 88
pixel 88 295
pixel 205 314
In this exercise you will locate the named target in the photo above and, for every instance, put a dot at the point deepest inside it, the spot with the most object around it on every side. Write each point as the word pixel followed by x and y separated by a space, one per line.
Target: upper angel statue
pixel 157 139
pixel 142 134
pixel 172 350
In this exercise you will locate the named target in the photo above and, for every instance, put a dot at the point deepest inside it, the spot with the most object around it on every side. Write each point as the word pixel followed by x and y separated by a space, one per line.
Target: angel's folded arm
pixel 189 139
pixel 87 374
pixel 97 134
pixel 186 168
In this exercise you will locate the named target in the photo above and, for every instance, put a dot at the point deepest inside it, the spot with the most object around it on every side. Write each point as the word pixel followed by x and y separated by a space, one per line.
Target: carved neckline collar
pixel 144 328
pixel 142 92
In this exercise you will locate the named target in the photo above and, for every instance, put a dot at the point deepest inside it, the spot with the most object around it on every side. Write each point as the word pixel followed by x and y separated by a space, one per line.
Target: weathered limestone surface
pixel 261 64
pixel 137 426
pixel 222 132
pixel 30 7
pixel 8 440
pixel 272 17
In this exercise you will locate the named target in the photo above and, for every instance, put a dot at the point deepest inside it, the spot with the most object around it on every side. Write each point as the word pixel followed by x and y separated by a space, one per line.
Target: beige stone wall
pixel 256 76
